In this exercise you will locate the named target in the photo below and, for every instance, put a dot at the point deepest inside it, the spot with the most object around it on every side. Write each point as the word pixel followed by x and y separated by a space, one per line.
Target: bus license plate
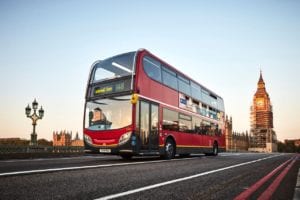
pixel 105 150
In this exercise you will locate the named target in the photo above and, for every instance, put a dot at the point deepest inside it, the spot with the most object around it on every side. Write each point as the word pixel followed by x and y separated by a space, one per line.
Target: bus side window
pixel 152 68
pixel 197 125
pixel 170 120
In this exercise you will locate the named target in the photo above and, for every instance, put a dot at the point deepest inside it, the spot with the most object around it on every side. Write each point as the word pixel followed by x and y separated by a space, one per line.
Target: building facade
pixel 77 142
pixel 235 141
pixel 64 138
pixel 263 136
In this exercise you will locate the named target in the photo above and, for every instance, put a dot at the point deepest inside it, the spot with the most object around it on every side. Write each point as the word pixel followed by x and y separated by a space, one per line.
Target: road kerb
pixel 297 188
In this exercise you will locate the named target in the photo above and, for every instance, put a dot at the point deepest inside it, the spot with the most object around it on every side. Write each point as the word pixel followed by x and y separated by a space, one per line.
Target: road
pixel 109 177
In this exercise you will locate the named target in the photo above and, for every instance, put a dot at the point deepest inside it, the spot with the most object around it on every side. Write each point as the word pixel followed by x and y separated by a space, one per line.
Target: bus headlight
pixel 88 139
pixel 124 138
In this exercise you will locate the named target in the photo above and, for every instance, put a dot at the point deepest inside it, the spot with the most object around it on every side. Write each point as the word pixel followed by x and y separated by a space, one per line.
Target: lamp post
pixel 34 117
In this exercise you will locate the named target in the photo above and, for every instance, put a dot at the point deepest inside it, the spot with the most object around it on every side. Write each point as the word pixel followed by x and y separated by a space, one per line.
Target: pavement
pixel 297 187
pixel 109 177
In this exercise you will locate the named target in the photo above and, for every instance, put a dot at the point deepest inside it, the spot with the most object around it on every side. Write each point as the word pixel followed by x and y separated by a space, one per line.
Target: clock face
pixel 260 103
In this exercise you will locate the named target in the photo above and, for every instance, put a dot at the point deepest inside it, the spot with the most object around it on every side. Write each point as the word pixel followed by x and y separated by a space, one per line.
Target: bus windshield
pixel 117 66
pixel 108 114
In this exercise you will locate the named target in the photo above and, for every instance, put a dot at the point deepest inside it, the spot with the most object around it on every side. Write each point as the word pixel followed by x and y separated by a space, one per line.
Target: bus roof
pixel 178 72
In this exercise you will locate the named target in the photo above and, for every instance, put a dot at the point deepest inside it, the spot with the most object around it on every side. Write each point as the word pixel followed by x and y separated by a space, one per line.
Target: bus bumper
pixel 114 150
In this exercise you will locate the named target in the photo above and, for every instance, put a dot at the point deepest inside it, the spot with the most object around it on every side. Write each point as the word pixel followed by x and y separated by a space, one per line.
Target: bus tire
pixel 169 149
pixel 215 149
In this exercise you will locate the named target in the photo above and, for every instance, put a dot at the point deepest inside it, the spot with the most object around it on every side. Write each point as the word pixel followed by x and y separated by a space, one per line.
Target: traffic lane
pixel 16 167
pixel 7 166
pixel 224 185
pixel 95 183
pixel 46 163
pixel 49 170
pixel 105 176
pixel 63 164
pixel 87 160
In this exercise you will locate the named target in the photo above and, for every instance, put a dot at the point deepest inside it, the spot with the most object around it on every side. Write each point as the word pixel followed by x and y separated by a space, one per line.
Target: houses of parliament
pixel 262 137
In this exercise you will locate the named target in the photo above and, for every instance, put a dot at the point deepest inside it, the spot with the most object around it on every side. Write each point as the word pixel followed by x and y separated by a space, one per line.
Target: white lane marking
pixel 87 167
pixel 229 154
pixel 179 180
pixel 244 153
pixel 68 158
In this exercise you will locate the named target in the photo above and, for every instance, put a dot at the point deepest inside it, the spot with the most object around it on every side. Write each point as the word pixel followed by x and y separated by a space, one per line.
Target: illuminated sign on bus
pixel 112 87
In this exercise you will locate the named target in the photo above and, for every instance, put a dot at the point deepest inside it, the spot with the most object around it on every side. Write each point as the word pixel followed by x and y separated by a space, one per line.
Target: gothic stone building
pixel 235 141
pixel 263 136
pixel 64 138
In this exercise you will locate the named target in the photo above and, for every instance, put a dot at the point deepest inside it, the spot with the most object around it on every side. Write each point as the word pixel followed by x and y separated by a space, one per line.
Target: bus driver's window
pixel 98 120
pixel 98 117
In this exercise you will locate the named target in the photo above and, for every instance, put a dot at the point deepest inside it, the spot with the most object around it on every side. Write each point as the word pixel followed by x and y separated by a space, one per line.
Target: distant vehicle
pixel 137 104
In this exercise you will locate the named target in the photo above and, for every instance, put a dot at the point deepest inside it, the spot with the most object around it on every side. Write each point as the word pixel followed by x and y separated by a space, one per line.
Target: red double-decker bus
pixel 137 104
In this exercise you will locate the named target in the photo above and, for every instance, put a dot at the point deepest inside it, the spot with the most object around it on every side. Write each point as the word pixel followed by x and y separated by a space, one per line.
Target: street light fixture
pixel 34 117
pixel 41 112
pixel 28 110
pixel 35 104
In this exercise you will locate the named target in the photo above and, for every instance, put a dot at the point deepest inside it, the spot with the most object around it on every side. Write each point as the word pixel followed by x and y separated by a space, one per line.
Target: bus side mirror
pixel 134 98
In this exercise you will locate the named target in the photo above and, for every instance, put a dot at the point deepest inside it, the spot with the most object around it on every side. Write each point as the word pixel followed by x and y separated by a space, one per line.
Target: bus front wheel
pixel 169 149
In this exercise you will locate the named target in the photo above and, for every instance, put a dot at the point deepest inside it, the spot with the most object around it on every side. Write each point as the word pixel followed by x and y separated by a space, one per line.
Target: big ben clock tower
pixel 264 137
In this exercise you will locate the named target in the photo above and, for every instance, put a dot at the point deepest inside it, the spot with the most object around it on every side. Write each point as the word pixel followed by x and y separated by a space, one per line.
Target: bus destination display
pixel 111 88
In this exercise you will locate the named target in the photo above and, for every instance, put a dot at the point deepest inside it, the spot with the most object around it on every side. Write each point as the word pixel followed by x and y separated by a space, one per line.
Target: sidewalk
pixel 297 188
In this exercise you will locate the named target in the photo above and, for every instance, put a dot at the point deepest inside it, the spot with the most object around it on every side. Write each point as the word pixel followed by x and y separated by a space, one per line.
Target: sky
pixel 47 48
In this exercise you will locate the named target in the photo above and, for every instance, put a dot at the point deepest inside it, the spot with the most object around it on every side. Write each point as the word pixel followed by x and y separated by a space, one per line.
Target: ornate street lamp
pixel 34 117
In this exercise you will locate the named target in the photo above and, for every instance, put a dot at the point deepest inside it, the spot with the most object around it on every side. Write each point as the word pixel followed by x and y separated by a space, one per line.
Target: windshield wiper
pixel 116 99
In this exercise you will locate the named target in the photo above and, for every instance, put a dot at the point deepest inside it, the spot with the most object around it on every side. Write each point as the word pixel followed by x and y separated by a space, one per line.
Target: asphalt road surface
pixel 227 176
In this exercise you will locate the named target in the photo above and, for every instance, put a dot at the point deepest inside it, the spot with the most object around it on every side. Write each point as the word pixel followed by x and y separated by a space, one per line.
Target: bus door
pixel 148 118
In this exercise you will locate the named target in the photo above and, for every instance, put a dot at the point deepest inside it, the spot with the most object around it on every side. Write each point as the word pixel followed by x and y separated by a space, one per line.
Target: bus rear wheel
pixel 169 149
pixel 215 150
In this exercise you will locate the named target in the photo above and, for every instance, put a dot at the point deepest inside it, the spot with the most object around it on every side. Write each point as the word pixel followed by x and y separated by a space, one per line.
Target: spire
pixel 261 83
pixel 77 136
